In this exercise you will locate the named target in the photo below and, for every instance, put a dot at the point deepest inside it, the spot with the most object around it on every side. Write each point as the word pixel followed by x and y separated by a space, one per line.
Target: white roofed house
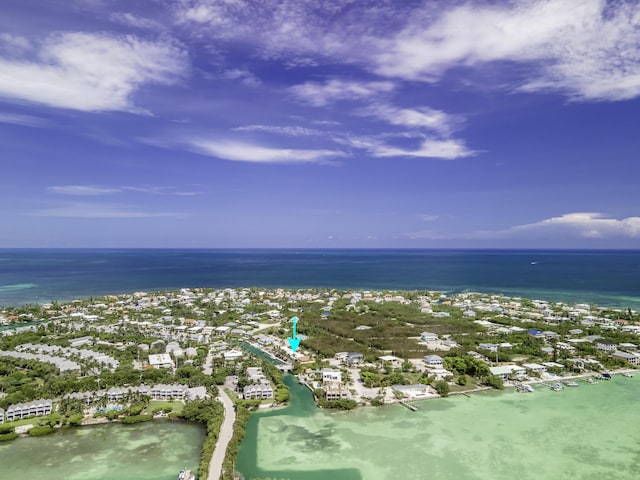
pixel 428 337
pixel 433 360
pixel 330 375
pixel 232 354
pixel 503 371
pixel 631 358
pixel 23 410
pixel 262 391
pixel 161 360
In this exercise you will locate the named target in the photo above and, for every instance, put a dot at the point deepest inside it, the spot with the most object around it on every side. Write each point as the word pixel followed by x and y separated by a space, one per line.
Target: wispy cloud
pixel 131 20
pixel 588 49
pixel 100 211
pixel 291 130
pixel 321 94
pixel 242 75
pixel 93 190
pixel 247 152
pixel 426 217
pixel 24 120
pixel 448 149
pixel 82 190
pixel 91 72
pixel 417 118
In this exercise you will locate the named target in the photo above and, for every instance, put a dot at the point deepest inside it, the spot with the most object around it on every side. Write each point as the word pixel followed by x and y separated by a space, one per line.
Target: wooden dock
pixel 413 408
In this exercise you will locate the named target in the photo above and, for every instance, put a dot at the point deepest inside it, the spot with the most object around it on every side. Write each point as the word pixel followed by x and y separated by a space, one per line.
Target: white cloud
pixel 589 49
pixel 243 75
pixel 91 72
pixel 448 149
pixel 418 117
pixel 425 217
pixel 105 211
pixel 24 120
pixel 126 18
pixel 82 190
pixel 294 131
pixel 14 43
pixel 321 94
pixel 585 224
pixel 246 152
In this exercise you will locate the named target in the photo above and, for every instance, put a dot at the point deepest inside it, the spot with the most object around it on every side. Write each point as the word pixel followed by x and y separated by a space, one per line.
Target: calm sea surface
pixel 586 433
pixel 603 277
pixel 155 450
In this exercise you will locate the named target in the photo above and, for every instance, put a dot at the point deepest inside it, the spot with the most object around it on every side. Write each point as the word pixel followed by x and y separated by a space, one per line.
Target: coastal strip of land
pixel 226 432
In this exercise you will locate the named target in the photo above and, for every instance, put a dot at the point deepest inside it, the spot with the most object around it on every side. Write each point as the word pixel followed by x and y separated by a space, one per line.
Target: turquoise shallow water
pixel 147 451
pixel 588 432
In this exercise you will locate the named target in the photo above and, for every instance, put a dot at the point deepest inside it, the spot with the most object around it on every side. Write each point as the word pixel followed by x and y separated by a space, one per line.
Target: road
pixel 226 432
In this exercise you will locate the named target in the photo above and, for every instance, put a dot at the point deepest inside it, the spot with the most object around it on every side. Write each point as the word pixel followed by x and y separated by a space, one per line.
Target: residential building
pixel 262 391
pixel 631 358
pixel 161 360
pixel 232 355
pixel 503 371
pixel 428 337
pixel 335 391
pixel 606 346
pixel 535 367
pixel 433 360
pixel 38 408
pixel 330 375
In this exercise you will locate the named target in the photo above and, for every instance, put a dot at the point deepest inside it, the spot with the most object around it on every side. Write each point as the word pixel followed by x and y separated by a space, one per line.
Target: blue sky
pixel 295 123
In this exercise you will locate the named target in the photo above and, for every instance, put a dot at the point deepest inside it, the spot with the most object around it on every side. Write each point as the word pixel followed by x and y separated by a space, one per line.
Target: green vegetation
pixel 43 430
pixel 341 404
pixel 441 387
pixel 5 437
pixel 494 381
pixel 136 419
pixel 211 413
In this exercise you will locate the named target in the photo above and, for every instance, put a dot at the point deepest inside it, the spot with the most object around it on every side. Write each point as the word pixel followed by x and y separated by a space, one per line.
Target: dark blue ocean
pixel 603 277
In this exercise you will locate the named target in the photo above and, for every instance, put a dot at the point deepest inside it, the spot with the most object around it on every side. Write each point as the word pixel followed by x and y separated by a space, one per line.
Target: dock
pixel 413 408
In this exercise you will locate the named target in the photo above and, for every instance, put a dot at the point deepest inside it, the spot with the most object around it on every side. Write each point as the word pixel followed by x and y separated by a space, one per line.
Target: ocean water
pixel 589 432
pixel 602 277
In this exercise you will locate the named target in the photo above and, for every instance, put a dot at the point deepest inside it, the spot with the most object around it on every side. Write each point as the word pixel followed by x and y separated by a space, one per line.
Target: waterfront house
pixel 335 391
pixel 262 391
pixel 412 391
pixel 433 360
pixel 503 371
pixel 37 408
pixel 631 358
pixel 535 367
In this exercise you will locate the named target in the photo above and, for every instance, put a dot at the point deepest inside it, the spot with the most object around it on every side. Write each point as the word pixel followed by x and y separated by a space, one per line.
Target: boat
pixel 557 387
pixel 590 380
pixel 627 374
pixel 571 384
pixel 186 474
pixel 524 388
pixel 605 376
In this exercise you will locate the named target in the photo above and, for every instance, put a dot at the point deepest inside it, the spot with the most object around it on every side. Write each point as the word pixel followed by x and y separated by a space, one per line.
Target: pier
pixel 413 408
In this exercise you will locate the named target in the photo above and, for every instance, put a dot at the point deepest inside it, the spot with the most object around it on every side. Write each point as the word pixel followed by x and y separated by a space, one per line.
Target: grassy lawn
pixel 175 405
pixel 28 421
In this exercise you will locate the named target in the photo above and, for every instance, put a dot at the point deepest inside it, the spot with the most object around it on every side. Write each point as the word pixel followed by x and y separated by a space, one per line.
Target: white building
pixel 28 409
pixel 262 391
pixel 232 355
pixel 329 375
pixel 433 360
pixel 413 391
pixel 161 360
pixel 503 371
pixel 428 337
pixel 535 367
pixel 631 358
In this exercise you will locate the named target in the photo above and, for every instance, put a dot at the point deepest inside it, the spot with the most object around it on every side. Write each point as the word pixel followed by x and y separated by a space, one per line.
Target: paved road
pixel 226 432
